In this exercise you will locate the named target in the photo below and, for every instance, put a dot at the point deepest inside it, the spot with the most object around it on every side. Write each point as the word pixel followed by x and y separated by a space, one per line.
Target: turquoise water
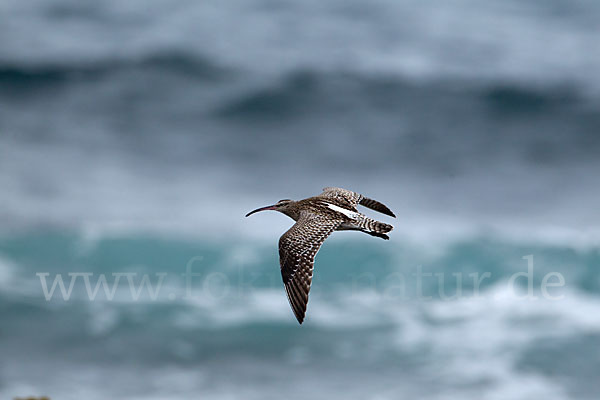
pixel 367 319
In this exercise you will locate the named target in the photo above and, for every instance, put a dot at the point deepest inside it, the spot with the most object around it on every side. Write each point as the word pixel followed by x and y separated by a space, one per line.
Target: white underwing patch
pixel 347 213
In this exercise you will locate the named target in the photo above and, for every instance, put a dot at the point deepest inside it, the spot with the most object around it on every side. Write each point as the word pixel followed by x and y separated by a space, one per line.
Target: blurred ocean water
pixel 135 135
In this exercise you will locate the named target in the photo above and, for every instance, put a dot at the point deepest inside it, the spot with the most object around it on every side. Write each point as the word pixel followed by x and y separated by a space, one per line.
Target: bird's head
pixel 281 206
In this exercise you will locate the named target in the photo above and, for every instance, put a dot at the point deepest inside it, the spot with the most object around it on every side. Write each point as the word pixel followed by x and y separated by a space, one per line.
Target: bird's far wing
pixel 341 195
pixel 354 199
pixel 297 250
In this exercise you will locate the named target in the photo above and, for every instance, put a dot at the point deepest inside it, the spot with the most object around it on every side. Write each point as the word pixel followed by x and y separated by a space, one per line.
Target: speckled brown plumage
pixel 316 218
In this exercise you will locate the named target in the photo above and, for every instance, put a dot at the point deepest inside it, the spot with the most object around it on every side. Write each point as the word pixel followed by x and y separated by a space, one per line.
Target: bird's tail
pixel 371 226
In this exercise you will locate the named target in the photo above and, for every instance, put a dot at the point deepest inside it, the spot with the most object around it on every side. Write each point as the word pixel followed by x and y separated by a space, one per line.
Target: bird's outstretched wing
pixel 353 199
pixel 297 250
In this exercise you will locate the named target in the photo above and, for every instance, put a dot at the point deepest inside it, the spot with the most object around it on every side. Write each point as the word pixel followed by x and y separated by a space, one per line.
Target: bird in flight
pixel 316 218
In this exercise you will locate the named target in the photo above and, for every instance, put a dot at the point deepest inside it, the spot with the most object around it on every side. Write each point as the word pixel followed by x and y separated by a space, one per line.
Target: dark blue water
pixel 135 136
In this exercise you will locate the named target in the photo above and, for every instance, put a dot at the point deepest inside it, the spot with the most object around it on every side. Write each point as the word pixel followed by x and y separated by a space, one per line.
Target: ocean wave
pixel 517 99
pixel 526 42
pixel 28 76
pixel 313 92
pixel 494 342
pixel 348 264
pixel 364 308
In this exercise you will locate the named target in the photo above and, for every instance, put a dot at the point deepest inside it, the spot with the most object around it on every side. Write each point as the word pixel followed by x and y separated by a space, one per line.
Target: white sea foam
pixel 462 344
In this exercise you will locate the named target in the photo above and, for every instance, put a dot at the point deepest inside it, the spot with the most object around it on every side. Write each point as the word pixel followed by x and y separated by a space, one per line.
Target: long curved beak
pixel 261 209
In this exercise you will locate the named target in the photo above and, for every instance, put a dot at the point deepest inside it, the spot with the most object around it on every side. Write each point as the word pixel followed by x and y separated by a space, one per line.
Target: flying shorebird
pixel 316 218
